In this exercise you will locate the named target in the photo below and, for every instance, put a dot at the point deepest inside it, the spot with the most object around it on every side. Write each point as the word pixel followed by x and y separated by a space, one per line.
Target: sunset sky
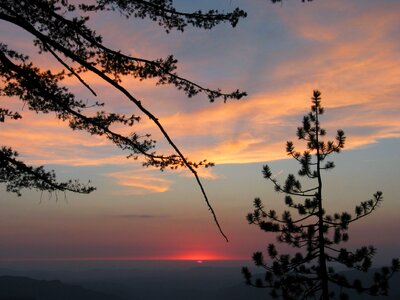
pixel 347 49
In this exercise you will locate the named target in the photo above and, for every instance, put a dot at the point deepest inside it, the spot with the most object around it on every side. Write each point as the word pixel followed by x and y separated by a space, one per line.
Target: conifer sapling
pixel 310 273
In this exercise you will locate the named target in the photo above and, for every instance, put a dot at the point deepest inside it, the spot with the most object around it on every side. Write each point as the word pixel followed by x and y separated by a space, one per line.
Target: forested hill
pixel 23 288
pixel 201 283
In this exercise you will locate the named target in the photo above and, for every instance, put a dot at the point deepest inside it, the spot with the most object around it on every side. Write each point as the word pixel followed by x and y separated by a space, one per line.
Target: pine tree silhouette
pixel 310 273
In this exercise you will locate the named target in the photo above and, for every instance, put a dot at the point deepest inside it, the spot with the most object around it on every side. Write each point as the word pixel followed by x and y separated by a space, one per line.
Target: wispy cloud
pixel 139 182
pixel 337 49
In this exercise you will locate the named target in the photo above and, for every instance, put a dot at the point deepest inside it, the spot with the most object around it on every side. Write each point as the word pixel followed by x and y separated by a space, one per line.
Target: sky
pixel 279 54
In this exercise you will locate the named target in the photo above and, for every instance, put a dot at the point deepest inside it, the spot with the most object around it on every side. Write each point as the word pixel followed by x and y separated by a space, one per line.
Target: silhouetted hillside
pixel 197 283
pixel 23 288
pixel 17 298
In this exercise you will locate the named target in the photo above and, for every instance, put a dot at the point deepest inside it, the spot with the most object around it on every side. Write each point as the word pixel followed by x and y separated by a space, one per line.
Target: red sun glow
pixel 198 257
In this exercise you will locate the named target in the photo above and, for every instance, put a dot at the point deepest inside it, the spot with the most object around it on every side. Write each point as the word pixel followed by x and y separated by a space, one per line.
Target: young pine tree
pixel 309 274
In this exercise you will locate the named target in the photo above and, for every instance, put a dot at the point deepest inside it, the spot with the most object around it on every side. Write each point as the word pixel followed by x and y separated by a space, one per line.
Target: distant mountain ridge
pixel 198 283
pixel 17 298
pixel 24 288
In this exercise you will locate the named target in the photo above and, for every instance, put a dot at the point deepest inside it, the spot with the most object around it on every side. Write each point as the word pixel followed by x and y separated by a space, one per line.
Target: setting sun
pixel 198 257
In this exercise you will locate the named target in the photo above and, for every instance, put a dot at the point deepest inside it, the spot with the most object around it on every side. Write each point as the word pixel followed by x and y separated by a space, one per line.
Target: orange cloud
pixel 139 182
pixel 351 60
pixel 257 128
pixel 204 173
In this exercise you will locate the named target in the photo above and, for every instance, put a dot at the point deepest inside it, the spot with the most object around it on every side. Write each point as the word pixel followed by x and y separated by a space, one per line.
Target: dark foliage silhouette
pixel 60 29
pixel 310 273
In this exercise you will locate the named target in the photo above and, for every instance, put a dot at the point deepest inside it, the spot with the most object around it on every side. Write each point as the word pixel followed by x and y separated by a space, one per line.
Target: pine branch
pixel 45 39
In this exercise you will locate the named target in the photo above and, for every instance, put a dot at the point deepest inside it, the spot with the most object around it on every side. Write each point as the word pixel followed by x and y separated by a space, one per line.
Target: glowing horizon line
pixel 123 258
